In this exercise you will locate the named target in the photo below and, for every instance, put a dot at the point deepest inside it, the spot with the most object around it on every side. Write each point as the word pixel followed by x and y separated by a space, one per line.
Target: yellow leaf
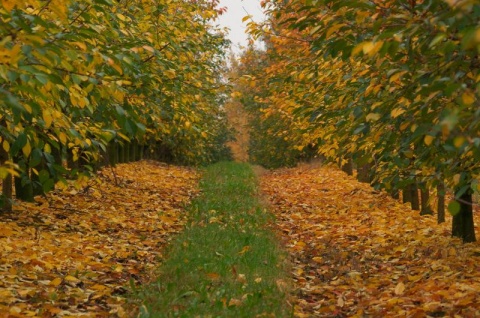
pixel 244 250
pixel 72 279
pixel 317 259
pixel 57 281
pixel 373 117
pixel 213 276
pixel 371 48
pixel 397 112
pixel 121 17
pixel 27 149
pixel 400 289
pixel 334 28
pixel 468 98
pixel 47 118
pixel 395 77
pixel 428 140
pixel 357 49
pixel 170 73
pixel 456 179
pixel 234 302
pixel 148 48
pixel 6 146
pixel 8 4
pixel 63 138
pixel 458 141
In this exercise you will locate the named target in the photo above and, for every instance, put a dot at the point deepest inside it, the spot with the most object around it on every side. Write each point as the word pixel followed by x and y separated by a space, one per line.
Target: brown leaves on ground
pixel 74 252
pixel 358 253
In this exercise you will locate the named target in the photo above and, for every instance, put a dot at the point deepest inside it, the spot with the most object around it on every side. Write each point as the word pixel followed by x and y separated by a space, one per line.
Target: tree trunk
pixel 126 148
pixel 121 154
pixel 133 150
pixel 407 194
pixel 441 203
pixel 7 195
pixel 37 187
pixel 395 194
pixel 141 152
pixel 23 187
pixel 415 200
pixel 347 167
pixel 462 224
pixel 425 196
pixel 363 173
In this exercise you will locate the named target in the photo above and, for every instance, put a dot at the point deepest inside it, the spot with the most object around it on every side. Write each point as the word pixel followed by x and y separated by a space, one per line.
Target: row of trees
pixel 83 83
pixel 391 87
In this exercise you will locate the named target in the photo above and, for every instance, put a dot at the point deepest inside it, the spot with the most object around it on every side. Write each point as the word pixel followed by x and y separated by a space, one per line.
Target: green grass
pixel 226 263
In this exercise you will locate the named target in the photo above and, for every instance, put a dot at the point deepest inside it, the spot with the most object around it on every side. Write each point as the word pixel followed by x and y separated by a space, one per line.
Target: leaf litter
pixel 74 252
pixel 356 252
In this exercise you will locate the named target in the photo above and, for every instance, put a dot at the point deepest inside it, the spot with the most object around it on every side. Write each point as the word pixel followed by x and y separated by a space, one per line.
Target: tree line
pixel 390 88
pixel 85 83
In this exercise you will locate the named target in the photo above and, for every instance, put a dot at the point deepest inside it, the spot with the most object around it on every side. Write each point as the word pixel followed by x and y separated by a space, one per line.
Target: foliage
pixel 77 251
pixel 390 83
pixel 357 252
pixel 225 263
pixel 79 76
pixel 272 145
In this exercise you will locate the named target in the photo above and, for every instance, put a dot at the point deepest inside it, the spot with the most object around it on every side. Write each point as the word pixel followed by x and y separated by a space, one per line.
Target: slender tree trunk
pixel 7 184
pixel 121 154
pixel 111 150
pixel 462 224
pixel 395 194
pixel 415 199
pixel 133 150
pixel 23 187
pixel 141 151
pixel 347 167
pixel 36 185
pixel 407 194
pixel 126 148
pixel 441 203
pixel 7 193
pixel 363 173
pixel 425 196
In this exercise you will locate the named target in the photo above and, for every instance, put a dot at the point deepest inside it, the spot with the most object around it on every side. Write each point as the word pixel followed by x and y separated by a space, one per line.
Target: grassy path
pixel 226 263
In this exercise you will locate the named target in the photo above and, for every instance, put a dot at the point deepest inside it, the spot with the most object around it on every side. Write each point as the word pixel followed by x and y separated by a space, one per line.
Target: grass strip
pixel 226 263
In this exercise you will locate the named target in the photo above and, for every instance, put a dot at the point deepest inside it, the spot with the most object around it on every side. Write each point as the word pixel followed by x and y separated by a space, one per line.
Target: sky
pixel 236 10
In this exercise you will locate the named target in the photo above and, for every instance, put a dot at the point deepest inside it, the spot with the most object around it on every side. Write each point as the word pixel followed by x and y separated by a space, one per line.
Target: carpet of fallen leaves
pixel 74 252
pixel 358 253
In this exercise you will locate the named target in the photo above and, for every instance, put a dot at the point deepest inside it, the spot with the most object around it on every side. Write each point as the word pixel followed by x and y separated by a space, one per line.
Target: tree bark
pixel 415 201
pixel 395 194
pixel 347 167
pixel 121 154
pixel 425 196
pixel 407 194
pixel 462 224
pixel 24 187
pixel 441 203
pixel 7 184
pixel 363 173
pixel 133 150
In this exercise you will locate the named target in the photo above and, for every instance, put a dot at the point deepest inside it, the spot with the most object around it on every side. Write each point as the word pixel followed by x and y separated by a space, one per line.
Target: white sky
pixel 236 10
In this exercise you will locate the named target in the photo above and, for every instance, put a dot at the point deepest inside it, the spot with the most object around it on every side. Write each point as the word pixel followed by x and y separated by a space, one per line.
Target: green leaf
pixel 454 208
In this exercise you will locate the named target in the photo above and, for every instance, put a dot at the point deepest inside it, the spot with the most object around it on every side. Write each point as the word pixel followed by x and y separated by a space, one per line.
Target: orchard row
pixel 85 83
